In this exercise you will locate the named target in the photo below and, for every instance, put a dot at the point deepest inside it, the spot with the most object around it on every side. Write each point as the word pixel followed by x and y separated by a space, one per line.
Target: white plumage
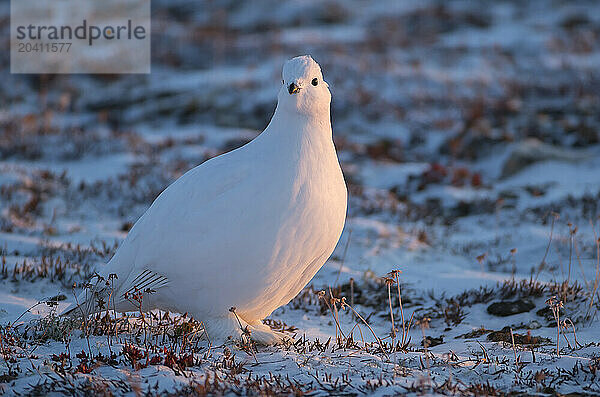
pixel 247 229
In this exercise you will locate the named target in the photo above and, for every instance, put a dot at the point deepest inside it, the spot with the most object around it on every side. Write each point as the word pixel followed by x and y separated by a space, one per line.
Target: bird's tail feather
pixel 101 296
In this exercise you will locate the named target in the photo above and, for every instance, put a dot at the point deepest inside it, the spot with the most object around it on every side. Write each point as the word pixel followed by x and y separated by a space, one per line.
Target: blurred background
pixel 469 137
pixel 460 125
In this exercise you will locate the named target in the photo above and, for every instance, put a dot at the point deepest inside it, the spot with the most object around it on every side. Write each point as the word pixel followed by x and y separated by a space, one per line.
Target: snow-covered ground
pixel 469 135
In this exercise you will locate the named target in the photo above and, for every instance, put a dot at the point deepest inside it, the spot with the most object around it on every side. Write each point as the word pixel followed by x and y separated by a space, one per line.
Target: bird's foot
pixel 235 329
pixel 264 335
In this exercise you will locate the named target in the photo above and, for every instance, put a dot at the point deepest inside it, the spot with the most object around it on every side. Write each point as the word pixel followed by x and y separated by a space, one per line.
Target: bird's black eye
pixel 314 82
pixel 282 81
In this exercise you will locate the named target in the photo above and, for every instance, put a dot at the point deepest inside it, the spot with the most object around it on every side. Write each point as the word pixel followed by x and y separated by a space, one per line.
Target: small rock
pixel 431 341
pixel 476 333
pixel 508 308
pixel 546 313
pixel 533 150
pixel 504 335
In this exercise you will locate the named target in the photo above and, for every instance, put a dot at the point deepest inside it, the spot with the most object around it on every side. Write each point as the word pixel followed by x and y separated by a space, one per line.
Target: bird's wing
pixel 182 202
pixel 192 192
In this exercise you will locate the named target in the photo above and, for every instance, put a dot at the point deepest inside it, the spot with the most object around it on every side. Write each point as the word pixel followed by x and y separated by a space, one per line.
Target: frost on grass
pixel 423 350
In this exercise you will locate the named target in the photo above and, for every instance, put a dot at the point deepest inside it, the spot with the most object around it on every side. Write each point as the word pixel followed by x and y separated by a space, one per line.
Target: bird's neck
pixel 300 132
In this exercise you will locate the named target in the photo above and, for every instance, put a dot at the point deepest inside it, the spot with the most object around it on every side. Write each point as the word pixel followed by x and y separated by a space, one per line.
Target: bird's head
pixel 303 89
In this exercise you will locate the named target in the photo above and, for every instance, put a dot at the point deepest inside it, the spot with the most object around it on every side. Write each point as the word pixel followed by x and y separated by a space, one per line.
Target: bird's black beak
pixel 293 88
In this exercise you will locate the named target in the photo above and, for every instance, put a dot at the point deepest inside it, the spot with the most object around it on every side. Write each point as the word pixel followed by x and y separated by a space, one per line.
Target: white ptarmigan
pixel 247 229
